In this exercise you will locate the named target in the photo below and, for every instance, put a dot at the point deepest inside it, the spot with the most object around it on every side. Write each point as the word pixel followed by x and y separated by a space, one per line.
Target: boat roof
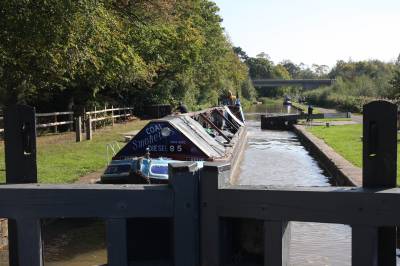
pixel 187 140
pixel 234 117
pixel 197 135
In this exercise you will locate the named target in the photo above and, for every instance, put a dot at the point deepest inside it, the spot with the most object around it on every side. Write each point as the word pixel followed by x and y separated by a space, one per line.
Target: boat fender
pixel 138 172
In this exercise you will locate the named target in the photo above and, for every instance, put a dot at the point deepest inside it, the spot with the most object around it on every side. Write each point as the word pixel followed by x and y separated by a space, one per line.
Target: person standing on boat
pixel 230 99
pixel 310 113
pixel 182 108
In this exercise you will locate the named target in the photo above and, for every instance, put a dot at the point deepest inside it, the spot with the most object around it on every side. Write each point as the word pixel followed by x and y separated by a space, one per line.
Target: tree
pixel 241 53
pixel 55 53
pixel 263 55
pixel 260 68
pixel 280 72
pixel 395 84
pixel 320 70
pixel 292 68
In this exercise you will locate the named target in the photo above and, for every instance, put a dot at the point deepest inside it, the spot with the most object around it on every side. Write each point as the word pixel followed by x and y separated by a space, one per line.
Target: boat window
pixel 115 169
pixel 159 169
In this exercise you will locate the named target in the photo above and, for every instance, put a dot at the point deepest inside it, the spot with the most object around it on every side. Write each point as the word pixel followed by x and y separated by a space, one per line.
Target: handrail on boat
pixel 111 147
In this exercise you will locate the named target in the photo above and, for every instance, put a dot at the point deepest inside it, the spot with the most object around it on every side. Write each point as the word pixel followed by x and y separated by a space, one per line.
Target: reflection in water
pixel 71 242
pixel 255 110
pixel 75 242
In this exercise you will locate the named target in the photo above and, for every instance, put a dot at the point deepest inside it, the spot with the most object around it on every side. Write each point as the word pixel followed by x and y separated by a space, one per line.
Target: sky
pixel 314 31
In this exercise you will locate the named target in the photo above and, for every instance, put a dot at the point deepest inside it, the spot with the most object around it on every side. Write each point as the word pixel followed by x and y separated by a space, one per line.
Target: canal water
pixel 278 158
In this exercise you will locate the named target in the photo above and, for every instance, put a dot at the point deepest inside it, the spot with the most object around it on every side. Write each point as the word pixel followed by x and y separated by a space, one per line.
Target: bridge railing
pixel 306 83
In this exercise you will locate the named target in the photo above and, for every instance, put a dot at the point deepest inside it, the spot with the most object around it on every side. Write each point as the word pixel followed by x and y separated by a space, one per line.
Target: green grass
pixel 61 160
pixel 305 107
pixel 268 101
pixel 326 120
pixel 346 140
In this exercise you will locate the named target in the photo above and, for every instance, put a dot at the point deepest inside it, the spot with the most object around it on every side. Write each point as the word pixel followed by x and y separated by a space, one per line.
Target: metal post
pixel 20 160
pixel 78 129
pixel 379 171
pixel 184 180
pixel 89 135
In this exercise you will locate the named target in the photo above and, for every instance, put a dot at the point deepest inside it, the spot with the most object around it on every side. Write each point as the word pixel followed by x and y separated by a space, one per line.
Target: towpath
pixel 356 118
pixel 94 177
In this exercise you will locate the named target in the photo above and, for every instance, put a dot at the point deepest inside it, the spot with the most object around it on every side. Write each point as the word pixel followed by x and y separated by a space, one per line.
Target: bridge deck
pixel 307 83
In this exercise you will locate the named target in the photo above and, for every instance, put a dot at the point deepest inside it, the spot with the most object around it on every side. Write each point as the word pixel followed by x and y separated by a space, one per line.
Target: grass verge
pixel 305 108
pixel 267 101
pixel 326 120
pixel 62 160
pixel 346 140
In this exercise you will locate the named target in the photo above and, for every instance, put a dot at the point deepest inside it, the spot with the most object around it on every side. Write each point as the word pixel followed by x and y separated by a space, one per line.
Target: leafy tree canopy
pixel 55 54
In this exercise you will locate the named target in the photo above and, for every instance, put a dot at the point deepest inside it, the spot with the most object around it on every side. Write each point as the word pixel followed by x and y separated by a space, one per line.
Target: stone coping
pixel 344 171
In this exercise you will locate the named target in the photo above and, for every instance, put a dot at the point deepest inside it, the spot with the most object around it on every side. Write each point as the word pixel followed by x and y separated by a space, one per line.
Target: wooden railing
pixel 26 204
pixel 372 214
pixel 199 203
pixel 109 114
pixel 91 118
pixel 56 122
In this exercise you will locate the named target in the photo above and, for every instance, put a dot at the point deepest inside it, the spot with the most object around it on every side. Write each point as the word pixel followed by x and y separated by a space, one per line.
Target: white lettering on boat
pixel 149 140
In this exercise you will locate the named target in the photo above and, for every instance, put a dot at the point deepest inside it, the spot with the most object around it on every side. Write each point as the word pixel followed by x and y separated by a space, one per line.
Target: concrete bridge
pixel 305 83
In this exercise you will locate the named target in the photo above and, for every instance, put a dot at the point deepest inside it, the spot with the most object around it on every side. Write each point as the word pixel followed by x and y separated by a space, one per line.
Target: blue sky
pixel 314 31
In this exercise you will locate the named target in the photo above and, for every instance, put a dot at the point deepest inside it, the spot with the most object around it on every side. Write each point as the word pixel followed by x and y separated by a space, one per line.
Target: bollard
pixel 78 129
pixel 89 134
pixel 377 245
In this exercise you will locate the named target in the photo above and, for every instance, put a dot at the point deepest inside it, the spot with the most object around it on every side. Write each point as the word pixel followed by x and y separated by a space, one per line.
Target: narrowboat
pixel 217 134
pixel 287 101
